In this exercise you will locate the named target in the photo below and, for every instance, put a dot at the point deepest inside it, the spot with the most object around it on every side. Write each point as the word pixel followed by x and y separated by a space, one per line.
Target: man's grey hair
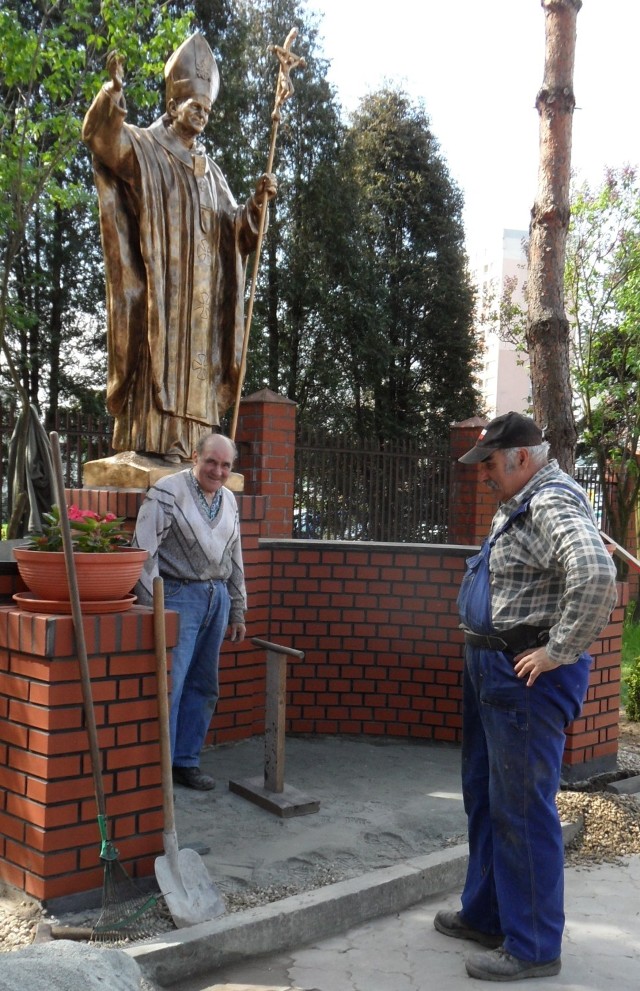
pixel 215 433
pixel 539 455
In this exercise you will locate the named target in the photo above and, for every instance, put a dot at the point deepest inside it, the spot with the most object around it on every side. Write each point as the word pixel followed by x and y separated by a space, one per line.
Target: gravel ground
pixel 611 832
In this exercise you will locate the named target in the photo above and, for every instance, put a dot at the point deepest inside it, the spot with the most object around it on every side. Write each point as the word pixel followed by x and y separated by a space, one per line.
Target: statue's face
pixel 190 116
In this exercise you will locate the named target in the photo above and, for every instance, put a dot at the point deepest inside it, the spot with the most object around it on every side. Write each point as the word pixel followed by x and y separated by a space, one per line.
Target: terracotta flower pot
pixel 107 576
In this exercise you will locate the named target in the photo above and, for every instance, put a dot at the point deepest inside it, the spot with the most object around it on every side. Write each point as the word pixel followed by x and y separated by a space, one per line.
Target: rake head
pixel 127 912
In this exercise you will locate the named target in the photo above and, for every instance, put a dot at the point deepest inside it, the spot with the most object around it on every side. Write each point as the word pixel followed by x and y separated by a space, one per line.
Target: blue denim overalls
pixel 513 743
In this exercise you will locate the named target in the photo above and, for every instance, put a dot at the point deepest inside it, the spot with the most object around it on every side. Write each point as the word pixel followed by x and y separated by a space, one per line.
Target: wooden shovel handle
pixel 163 703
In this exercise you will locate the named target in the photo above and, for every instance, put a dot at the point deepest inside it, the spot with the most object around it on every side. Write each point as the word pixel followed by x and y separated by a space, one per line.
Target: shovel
pixel 182 876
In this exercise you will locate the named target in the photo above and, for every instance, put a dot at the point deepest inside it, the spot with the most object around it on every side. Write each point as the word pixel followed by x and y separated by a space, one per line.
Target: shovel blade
pixel 189 892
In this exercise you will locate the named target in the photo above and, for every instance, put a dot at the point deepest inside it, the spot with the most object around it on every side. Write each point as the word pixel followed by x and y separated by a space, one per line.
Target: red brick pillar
pixel 49 837
pixel 471 505
pixel 592 739
pixel 266 439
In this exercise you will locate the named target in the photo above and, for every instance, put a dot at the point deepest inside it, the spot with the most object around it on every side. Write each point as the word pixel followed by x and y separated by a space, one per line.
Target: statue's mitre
pixel 192 71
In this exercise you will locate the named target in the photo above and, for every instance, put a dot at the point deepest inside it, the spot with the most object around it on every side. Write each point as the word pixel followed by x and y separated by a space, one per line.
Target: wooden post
pixel 270 791
pixel 275 713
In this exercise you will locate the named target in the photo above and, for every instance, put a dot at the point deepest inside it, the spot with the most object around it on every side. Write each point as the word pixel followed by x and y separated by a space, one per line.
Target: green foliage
pixel 632 685
pixel 51 65
pixel 90 533
pixel 630 654
pixel 403 302
pixel 602 284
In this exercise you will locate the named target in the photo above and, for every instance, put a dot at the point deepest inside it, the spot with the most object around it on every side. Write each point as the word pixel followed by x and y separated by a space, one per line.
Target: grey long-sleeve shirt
pixel 184 544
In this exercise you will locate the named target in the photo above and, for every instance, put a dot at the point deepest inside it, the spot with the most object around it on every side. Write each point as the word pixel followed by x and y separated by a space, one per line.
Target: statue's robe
pixel 175 246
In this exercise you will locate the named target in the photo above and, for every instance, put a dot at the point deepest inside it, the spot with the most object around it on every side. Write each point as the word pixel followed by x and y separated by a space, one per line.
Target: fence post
pixel 266 437
pixel 471 507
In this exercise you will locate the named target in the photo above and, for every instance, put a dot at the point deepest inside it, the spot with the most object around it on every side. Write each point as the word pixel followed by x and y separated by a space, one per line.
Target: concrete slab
pixel 403 952
pixel 380 803
pixel 387 823
pixel 251 987
pixel 297 920
pixel 625 786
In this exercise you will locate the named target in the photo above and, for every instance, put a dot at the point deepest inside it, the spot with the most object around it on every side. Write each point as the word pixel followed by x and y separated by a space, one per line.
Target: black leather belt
pixel 516 640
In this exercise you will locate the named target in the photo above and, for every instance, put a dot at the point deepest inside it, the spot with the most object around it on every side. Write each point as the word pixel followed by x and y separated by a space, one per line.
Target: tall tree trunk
pixel 548 332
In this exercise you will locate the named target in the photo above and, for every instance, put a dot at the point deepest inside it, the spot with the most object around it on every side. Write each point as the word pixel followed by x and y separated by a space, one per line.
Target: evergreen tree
pixel 402 306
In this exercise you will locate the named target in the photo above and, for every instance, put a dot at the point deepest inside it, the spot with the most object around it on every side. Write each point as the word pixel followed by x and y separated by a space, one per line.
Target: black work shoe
pixel 498 965
pixel 192 777
pixel 452 924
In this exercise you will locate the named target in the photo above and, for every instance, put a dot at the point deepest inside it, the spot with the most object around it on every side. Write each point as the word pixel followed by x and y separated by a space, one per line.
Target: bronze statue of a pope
pixel 175 246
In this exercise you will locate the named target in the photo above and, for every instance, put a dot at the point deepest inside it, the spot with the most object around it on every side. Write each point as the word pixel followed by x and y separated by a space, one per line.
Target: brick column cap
pixel 267 396
pixel 473 421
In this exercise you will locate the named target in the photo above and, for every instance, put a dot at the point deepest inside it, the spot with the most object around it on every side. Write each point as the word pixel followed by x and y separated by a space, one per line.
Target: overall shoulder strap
pixel 568 488
pixel 524 505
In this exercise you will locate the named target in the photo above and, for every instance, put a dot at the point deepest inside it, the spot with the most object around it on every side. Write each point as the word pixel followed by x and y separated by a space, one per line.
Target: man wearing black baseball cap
pixel 531 602
pixel 507 431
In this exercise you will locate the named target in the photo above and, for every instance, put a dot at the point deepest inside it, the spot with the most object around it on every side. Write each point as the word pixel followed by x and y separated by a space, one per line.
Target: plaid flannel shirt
pixel 551 567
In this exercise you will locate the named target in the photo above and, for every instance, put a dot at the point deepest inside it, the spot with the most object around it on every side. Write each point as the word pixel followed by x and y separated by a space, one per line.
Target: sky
pixel 478 65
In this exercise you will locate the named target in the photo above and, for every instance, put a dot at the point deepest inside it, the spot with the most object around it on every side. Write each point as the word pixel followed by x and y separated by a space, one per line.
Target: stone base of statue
pixel 130 470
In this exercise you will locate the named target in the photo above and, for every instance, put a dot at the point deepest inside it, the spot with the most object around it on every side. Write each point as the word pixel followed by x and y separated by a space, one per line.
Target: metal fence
pixel 345 489
pixel 82 438
pixel 388 491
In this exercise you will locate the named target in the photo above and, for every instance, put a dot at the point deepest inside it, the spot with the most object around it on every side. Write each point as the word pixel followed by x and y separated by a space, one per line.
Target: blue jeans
pixel 513 743
pixel 203 608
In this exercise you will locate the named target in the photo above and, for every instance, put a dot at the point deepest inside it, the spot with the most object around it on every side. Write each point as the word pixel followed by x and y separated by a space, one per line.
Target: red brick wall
pixel 266 440
pixel 594 736
pixel 49 838
pixel 378 625
pixel 471 506
pixel 383 653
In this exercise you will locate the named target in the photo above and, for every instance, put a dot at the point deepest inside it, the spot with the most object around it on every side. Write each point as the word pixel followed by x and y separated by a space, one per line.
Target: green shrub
pixel 630 649
pixel 632 681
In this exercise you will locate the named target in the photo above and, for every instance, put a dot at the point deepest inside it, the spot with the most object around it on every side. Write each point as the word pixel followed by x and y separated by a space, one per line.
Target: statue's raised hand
pixel 115 64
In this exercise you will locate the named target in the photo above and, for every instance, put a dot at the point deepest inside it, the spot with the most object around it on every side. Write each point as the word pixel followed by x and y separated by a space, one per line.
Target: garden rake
pixel 127 913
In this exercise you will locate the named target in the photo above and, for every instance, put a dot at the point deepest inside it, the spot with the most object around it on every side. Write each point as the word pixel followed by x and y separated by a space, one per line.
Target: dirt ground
pixel 629 732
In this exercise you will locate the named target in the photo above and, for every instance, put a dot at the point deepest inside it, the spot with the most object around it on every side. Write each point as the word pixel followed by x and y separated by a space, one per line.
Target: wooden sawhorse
pixel 270 792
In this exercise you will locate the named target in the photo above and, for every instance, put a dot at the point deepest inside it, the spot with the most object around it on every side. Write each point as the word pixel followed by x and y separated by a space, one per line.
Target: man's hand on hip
pixel 531 663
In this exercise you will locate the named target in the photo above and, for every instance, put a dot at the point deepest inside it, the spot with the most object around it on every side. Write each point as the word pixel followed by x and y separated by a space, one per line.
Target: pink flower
pixel 90 532
pixel 78 515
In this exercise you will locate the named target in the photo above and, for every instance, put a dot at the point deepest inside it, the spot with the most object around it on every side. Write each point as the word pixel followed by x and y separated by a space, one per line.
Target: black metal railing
pixel 347 489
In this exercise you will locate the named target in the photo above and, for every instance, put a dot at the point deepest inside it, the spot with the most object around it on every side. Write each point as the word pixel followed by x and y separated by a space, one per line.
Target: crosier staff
pixel 284 88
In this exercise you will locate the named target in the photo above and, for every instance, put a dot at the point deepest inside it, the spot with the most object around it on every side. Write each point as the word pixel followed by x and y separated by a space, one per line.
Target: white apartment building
pixel 504 379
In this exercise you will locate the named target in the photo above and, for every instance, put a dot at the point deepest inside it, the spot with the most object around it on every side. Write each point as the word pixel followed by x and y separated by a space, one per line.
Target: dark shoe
pixel 498 965
pixel 192 777
pixel 452 924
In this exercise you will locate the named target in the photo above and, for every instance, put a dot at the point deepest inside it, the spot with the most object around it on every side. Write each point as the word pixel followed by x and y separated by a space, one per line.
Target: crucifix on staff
pixel 284 89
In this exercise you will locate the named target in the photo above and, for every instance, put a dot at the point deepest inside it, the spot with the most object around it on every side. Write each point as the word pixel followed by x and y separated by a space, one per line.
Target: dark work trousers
pixel 513 742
